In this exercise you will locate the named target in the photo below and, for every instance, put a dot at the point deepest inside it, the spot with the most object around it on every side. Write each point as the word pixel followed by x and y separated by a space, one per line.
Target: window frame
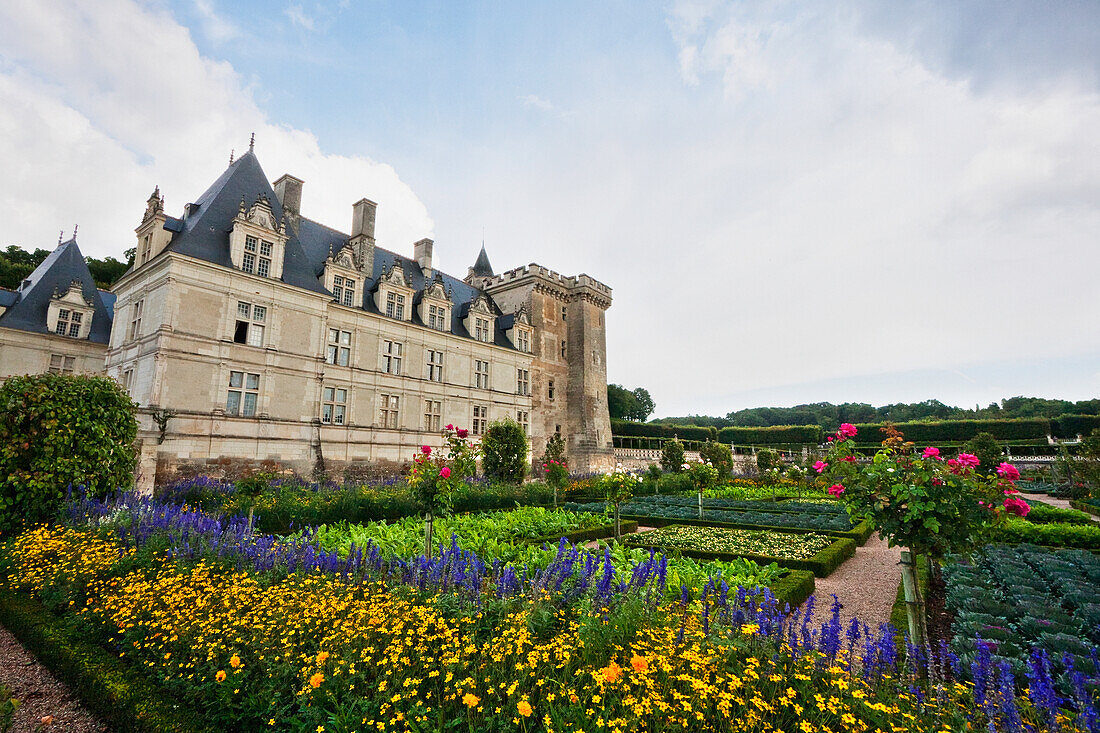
pixel 334 404
pixel 338 349
pixel 433 415
pixel 254 319
pixel 389 410
pixel 435 368
pixel 391 362
pixel 246 387
pixel 482 377
pixel 523 382
pixel 61 364
pixel 480 421
pixel 136 310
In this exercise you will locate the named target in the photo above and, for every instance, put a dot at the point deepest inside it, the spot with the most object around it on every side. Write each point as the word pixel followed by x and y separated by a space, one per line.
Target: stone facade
pixel 263 340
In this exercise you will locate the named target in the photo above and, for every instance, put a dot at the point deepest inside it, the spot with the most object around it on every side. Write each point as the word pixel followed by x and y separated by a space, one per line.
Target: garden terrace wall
pixel 821 564
pixel 120 695
pixel 858 533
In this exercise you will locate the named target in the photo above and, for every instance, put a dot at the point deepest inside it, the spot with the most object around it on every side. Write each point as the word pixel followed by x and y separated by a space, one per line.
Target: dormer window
pixel 435 317
pixel 480 320
pixel 69 314
pixel 257 241
pixel 394 294
pixel 343 289
pixel 435 306
pixel 395 306
pixel 523 341
pixel 68 323
pixel 481 329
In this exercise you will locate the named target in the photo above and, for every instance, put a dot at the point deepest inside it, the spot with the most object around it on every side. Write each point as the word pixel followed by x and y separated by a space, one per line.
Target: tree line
pixel 17 263
pixel 627 404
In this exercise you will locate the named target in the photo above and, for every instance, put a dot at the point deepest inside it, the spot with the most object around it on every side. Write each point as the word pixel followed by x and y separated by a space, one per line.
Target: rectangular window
pixel 61 364
pixel 481 419
pixel 523 382
pixel 127 380
pixel 563 349
pixel 482 332
pixel 391 357
pixel 523 341
pixel 395 306
pixel 265 249
pixel 437 318
pixel 250 328
pixel 481 374
pixel 250 244
pixel 135 319
pixel 146 250
pixel 435 366
pixel 433 411
pixel 550 389
pixel 62 327
pixel 243 394
pixel 339 347
pixel 248 262
pixel 334 404
pixel 523 418
pixel 563 312
pixel 263 267
pixel 389 407
pixel 343 290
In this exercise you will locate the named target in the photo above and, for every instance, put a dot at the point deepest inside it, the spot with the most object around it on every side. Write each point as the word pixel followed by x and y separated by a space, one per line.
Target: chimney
pixel 422 253
pixel 362 219
pixel 288 190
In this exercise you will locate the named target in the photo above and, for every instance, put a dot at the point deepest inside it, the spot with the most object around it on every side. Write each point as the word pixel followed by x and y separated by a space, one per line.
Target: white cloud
pixel 537 102
pixel 121 100
pixel 214 25
pixel 298 16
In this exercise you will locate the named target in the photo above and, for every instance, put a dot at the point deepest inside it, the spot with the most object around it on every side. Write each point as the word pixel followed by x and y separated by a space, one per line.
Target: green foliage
pixel 672 455
pixel 58 431
pixel 625 404
pixel 1046 514
pixel 805 434
pixel 1085 537
pixel 654 430
pixel 718 455
pixel 703 475
pixel 1070 426
pixel 767 459
pixel 555 448
pixel 504 451
pixel 8 706
pixel 988 451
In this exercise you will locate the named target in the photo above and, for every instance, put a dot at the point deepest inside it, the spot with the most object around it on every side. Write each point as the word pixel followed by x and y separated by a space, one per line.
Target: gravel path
pixel 866 584
pixel 45 703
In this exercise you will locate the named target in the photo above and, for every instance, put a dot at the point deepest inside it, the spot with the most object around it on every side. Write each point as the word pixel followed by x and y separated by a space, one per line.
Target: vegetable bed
pixel 790 506
pixel 1014 597
pixel 804 520
pixel 818 553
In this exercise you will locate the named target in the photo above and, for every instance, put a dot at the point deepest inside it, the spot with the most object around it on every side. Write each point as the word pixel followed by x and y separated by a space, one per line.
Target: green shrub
pixel 672 455
pixel 925 433
pixel 804 434
pixel 719 455
pixel 988 451
pixel 654 430
pixel 1085 537
pixel 504 451
pixel 767 459
pixel 1046 514
pixel 58 431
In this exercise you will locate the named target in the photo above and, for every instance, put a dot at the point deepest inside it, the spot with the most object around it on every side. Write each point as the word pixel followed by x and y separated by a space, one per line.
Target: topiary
pixel 57 431
pixel 719 455
pixel 672 455
pixel 504 451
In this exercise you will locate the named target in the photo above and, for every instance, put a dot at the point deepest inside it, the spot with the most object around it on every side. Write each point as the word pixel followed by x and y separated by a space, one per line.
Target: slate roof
pixel 482 268
pixel 204 234
pixel 32 299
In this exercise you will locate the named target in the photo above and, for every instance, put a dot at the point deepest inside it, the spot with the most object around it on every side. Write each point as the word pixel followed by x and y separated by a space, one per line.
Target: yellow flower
pixel 320 729
pixel 316 680
pixel 611 673
pixel 750 628
pixel 470 700
pixel 524 708
pixel 234 661
pixel 639 663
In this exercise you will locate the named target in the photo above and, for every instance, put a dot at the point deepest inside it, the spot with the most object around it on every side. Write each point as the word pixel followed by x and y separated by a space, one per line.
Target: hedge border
pixel 1036 530
pixel 1085 507
pixel 117 693
pixel 584 535
pixel 821 564
pixel 793 588
pixel 860 533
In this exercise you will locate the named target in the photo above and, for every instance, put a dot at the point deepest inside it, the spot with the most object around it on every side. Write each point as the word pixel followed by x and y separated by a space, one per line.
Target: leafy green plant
pixel 504 451
pixel 718 455
pixel 57 431
pixel 987 449
pixel 8 706
pixel 672 455
pixel 733 541
pixel 434 481
pixel 619 486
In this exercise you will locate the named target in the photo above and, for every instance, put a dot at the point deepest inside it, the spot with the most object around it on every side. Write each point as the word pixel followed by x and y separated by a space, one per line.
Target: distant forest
pixel 830 416
pixel 16 263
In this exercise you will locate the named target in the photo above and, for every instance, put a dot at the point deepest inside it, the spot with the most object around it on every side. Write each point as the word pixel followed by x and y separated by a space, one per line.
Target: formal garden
pixel 485 589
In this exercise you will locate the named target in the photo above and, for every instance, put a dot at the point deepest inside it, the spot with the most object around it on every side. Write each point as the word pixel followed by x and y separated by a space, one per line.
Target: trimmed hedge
pixel 1070 426
pixel 651 430
pixel 1085 506
pixel 1047 514
pixel 121 696
pixel 821 564
pixel 946 431
pixel 793 588
pixel 584 535
pixel 859 533
pixel 1016 531
pixel 808 434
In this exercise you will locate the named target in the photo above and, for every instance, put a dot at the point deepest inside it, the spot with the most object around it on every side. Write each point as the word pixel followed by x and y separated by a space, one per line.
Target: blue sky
pixel 794 201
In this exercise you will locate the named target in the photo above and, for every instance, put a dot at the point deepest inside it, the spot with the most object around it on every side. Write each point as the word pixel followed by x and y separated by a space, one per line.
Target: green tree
pixel 643 404
pixel 621 402
pixel 672 455
pixel 107 271
pixel 58 431
pixel 504 451
pixel 718 455
pixel 988 451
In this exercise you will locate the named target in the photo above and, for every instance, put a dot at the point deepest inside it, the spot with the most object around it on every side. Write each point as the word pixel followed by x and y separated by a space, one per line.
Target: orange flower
pixel 321 657
pixel 220 676
pixel 234 661
pixel 470 699
pixel 316 680
pixel 639 663
pixel 524 708
pixel 611 673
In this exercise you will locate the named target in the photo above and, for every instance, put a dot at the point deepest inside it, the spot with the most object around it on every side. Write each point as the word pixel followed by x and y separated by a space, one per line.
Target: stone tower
pixel 569 374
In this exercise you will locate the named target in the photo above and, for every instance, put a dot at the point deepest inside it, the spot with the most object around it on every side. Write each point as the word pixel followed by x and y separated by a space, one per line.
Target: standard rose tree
pixel 434 479
pixel 920 502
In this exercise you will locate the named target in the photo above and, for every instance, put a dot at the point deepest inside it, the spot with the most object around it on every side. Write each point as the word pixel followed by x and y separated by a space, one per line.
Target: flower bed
pixel 1012 597
pixel 1090 506
pixel 427 647
pixel 818 553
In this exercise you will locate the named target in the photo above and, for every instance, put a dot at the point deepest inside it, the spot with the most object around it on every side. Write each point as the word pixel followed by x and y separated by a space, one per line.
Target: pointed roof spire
pixel 60 236
pixel 75 227
pixel 252 142
pixel 482 268
pixel 231 151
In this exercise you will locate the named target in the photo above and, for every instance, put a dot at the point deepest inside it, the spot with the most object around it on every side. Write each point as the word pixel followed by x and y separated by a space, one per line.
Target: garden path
pixel 866 585
pixel 45 703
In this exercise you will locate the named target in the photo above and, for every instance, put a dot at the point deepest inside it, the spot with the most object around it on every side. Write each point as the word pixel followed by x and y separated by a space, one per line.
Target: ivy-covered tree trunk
pixel 429 520
pixel 915 609
pixel 618 529
pixel 555 495
pixel 700 502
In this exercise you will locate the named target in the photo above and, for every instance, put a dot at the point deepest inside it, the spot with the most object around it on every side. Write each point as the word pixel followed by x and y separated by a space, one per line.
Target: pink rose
pixel 820 466
pixel 847 430
pixel 1019 507
pixel 463 433
pixel 836 490
pixel 445 472
pixel 1008 471
pixel 830 439
pixel 849 459
pixel 969 460
pixel 937 482
pixel 426 450
pixel 933 453
pixel 449 427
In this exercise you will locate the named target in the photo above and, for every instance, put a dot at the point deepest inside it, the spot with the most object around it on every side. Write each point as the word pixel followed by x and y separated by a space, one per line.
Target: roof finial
pixel 231 156
pixel 75 227
pixel 60 236
pixel 252 142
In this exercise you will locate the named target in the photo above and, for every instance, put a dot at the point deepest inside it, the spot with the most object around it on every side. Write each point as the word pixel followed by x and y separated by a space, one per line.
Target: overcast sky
pixel 793 201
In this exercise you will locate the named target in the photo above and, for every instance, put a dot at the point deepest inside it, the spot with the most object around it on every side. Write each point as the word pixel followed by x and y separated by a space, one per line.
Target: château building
pixel 253 336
